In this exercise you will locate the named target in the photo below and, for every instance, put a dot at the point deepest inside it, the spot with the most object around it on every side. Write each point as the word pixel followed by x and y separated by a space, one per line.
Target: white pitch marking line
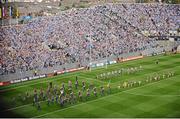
pixel 149 95
pixel 92 79
pixel 20 106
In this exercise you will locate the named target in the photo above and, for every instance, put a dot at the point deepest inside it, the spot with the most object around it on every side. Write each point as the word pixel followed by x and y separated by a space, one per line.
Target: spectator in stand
pixel 110 29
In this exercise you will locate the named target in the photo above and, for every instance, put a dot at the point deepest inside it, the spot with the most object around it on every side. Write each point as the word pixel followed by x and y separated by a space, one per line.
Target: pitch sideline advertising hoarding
pixel 130 58
pixel 27 78
pixel 39 76
pixel 100 64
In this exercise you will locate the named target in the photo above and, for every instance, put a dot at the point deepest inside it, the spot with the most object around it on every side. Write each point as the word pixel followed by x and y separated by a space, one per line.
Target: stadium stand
pixel 108 30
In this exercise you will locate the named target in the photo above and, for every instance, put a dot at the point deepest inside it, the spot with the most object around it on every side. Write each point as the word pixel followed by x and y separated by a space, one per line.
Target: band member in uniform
pixel 83 88
pixel 80 95
pixel 87 94
pixel 76 83
pixel 70 84
pixel 95 92
pixel 63 86
pixel 102 90
pixel 57 98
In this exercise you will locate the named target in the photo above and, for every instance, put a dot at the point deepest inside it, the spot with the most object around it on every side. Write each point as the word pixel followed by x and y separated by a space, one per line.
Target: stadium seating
pixel 109 30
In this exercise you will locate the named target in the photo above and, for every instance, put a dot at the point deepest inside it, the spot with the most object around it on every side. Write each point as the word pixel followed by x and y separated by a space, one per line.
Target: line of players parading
pixel 69 93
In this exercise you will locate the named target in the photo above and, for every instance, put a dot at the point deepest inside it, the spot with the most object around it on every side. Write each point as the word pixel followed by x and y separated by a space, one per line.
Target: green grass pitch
pixel 159 98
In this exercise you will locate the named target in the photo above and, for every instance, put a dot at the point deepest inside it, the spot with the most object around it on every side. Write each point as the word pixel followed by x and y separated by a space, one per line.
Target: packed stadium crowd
pixel 107 30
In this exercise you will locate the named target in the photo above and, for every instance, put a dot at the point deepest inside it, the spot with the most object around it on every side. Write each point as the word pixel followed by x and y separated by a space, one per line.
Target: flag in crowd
pixel 3 12
pixel 0 13
pixel 10 11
